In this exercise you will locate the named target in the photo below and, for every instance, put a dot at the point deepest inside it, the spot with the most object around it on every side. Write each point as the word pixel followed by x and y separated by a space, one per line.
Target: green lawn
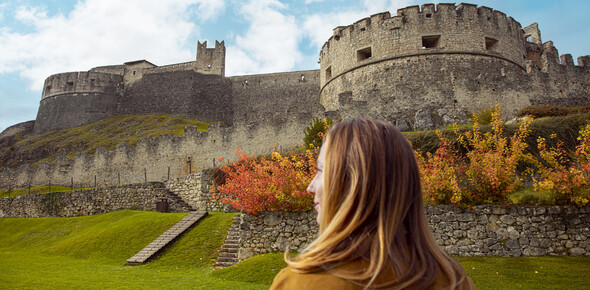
pixel 90 252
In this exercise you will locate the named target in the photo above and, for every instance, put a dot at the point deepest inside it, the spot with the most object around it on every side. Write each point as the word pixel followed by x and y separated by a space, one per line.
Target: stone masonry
pixel 142 196
pixel 483 231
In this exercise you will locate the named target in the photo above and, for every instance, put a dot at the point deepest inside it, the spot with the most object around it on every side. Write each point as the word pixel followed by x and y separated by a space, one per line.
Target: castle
pixel 426 67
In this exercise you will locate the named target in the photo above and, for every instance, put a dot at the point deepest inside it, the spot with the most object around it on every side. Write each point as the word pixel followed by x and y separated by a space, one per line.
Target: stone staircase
pixel 167 237
pixel 174 198
pixel 229 252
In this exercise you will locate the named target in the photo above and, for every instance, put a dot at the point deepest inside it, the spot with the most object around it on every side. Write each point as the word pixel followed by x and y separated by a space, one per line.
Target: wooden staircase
pixel 231 247
pixel 167 237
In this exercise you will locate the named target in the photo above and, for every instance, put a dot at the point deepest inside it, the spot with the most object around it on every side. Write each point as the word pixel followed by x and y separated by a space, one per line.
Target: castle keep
pixel 425 67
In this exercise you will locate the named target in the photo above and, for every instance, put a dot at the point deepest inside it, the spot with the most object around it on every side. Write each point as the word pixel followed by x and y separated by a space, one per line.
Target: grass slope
pixel 90 253
pixel 106 133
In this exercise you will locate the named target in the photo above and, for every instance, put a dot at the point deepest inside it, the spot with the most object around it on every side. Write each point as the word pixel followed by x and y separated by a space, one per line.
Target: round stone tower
pixel 77 98
pixel 443 61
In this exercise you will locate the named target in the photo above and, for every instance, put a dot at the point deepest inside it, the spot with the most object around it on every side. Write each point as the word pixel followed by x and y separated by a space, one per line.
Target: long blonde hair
pixel 372 212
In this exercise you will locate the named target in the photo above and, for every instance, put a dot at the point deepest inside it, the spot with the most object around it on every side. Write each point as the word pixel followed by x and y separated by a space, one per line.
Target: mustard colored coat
pixel 287 279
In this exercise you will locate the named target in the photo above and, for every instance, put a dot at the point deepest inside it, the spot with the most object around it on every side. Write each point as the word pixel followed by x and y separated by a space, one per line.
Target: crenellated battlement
pixel 423 29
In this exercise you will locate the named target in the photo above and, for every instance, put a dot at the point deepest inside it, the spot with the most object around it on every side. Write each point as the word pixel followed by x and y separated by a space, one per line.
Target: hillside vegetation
pixel 107 133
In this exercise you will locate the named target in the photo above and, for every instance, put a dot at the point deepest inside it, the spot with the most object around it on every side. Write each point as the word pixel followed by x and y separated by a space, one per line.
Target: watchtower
pixel 210 60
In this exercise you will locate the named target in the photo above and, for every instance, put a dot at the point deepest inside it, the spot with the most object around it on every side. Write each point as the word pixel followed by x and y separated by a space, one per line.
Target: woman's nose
pixel 310 187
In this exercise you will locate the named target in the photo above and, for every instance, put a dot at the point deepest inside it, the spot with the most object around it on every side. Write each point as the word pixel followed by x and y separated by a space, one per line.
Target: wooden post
pixel 9 190
pixel 94 181
pixel 145 174
pixel 168 172
pixel 213 162
pixel 72 183
pixel 49 186
pixel 29 188
pixel 119 178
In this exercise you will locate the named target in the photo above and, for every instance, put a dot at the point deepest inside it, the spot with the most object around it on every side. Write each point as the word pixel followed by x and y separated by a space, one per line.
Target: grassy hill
pixel 106 133
pixel 90 252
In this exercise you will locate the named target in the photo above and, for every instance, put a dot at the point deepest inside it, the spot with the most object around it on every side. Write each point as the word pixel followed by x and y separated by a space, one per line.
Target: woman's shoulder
pixel 289 279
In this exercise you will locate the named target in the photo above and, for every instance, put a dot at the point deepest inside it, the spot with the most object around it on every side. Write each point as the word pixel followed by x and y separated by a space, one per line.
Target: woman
pixel 373 231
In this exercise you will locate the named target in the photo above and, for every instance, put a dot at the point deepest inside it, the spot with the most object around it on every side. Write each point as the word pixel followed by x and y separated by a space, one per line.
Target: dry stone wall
pixel 483 231
pixel 144 196
pixel 194 189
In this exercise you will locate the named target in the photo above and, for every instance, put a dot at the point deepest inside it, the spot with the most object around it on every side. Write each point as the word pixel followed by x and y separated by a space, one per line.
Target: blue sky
pixel 40 38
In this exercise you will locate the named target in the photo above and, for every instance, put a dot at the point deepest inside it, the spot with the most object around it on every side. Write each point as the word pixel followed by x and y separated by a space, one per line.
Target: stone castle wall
pixel 274 98
pixel 77 98
pixel 159 159
pixel 83 202
pixel 186 92
pixel 483 231
pixel 462 28
pixel 426 68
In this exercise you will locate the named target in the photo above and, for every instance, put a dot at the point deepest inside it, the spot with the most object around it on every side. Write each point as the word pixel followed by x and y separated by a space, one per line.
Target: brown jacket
pixel 287 279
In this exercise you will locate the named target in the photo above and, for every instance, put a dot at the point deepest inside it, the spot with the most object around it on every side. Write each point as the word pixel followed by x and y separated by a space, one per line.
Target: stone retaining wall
pixel 483 231
pixel 142 196
pixel 194 190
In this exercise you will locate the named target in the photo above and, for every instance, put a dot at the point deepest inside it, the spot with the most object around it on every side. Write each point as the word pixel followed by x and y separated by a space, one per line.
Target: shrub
pixel 565 175
pixel 439 175
pixel 486 174
pixel 266 184
pixel 315 132
pixel 483 117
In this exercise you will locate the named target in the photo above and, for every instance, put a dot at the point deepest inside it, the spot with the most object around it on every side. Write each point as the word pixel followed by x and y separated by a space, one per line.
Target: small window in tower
pixel 363 54
pixel 329 73
pixel 91 82
pixel 528 38
pixel 208 66
pixel 134 72
pixel 428 15
pixel 47 89
pixel 430 41
pixel 70 84
pixel 490 43
pixel 395 33
pixel 363 29
pixel 337 37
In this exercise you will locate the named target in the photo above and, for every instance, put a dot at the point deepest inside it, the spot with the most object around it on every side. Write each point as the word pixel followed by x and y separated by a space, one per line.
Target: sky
pixel 39 38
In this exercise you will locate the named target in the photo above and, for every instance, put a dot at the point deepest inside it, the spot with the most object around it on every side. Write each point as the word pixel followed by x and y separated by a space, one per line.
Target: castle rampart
pixel 274 97
pixel 77 98
pixel 439 64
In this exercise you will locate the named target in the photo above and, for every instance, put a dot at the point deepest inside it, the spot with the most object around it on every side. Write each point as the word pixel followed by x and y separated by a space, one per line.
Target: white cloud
pixel 102 32
pixel 269 44
pixel 312 1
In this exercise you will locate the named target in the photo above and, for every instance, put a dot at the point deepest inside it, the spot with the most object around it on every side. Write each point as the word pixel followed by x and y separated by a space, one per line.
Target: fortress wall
pixel 110 69
pixel 395 90
pixel 462 28
pixel 190 65
pixel 205 97
pixel 154 158
pixel 77 98
pixel 273 97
